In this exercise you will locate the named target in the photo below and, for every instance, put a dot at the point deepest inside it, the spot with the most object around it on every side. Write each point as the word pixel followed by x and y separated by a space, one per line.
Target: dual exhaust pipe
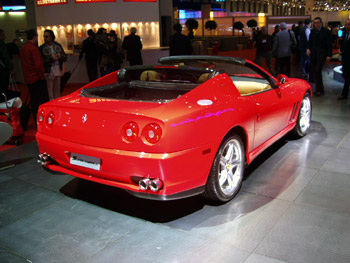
pixel 144 184
pixel 44 159
pixel 153 184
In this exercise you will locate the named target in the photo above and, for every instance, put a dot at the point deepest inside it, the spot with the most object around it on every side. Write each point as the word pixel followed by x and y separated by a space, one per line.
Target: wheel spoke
pixel 229 153
pixel 222 177
pixel 235 163
pixel 223 162
pixel 230 181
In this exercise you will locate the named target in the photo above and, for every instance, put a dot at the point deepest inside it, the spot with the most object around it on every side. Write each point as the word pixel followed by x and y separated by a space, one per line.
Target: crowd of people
pixel 43 66
pixel 311 44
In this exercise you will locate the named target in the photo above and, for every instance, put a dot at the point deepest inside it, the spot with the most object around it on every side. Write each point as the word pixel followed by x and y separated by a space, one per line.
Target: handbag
pixel 294 46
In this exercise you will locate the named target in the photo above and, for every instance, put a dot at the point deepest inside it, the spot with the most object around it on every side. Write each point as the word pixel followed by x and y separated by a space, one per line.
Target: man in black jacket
pixel 320 49
pixel 264 43
pixel 179 44
pixel 90 50
pixel 133 46
pixel 345 52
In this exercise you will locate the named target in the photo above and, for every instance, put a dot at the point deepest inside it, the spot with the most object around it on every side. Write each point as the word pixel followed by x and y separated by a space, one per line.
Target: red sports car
pixel 185 127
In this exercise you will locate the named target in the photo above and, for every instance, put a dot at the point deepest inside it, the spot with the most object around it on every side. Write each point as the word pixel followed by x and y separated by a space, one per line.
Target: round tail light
pixel 152 133
pixel 50 118
pixel 41 116
pixel 130 131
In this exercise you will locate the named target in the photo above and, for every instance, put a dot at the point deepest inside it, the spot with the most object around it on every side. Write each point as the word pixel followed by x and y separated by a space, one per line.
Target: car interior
pixel 162 84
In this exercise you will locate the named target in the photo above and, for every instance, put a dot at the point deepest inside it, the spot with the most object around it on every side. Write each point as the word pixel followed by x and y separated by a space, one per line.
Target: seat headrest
pixel 150 75
pixel 204 77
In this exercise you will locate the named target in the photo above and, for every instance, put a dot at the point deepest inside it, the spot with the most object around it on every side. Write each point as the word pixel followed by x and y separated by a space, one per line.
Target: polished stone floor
pixel 294 207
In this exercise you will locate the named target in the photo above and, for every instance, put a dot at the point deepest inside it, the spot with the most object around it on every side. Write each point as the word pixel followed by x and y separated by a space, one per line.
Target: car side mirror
pixel 281 79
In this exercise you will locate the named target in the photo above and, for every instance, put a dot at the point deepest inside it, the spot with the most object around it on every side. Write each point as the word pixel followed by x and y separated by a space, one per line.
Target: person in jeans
pixel 53 56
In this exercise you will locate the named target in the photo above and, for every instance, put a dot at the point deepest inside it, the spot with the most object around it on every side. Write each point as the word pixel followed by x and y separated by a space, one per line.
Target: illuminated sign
pixel 140 0
pixel 93 1
pixel 50 2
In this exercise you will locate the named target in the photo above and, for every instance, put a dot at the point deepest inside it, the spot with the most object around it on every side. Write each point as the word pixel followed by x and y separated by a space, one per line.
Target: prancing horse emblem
pixel 84 118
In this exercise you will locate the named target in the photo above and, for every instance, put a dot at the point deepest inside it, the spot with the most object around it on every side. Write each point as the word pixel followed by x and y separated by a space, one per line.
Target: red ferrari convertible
pixel 185 127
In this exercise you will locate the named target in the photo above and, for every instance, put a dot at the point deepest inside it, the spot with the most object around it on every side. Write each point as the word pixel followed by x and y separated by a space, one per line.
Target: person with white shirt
pixel 304 36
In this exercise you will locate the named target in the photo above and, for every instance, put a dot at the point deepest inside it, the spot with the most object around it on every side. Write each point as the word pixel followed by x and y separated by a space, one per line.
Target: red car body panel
pixel 191 133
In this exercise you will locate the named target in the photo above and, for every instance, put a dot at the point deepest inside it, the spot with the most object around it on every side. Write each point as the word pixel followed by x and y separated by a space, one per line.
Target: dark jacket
pixel 282 43
pixel 180 44
pixel 345 49
pixel 5 61
pixel 90 50
pixel 320 42
pixel 264 43
pixel 48 58
pixel 132 44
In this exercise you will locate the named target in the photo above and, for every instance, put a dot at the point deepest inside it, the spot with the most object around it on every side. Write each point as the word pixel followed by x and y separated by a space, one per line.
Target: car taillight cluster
pixel 48 119
pixel 151 133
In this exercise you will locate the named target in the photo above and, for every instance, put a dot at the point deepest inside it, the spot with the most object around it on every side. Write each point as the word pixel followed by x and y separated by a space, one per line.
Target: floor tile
pixel 19 199
pixel 308 154
pixel 345 143
pixel 8 257
pixel 328 190
pixel 44 178
pixel 338 162
pixel 21 166
pixel 285 181
pixel 306 234
pixel 157 243
pixel 256 258
pixel 4 178
pixel 19 152
pixel 67 231
pixel 237 223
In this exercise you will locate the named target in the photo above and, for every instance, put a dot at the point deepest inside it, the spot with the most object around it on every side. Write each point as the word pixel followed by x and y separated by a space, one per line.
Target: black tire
pixel 304 117
pixel 226 175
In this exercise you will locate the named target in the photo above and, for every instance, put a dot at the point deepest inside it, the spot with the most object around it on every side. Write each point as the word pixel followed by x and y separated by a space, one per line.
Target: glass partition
pixel 71 37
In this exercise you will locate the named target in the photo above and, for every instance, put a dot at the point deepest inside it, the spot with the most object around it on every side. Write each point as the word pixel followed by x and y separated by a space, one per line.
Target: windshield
pixel 236 68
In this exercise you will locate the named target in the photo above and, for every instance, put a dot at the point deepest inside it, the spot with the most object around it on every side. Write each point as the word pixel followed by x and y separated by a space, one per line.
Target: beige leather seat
pixel 204 77
pixel 150 75
pixel 248 87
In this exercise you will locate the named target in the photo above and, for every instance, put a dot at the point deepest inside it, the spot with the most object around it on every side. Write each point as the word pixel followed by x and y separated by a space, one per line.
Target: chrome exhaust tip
pixel 144 183
pixel 155 185
pixel 44 159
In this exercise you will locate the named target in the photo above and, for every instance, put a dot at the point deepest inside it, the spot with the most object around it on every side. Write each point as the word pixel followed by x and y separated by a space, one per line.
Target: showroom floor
pixel 294 207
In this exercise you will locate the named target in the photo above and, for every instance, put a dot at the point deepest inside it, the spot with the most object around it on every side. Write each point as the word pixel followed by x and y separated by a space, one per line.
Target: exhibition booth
pixel 70 20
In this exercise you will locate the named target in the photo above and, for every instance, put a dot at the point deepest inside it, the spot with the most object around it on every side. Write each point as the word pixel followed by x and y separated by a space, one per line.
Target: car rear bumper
pixel 183 173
